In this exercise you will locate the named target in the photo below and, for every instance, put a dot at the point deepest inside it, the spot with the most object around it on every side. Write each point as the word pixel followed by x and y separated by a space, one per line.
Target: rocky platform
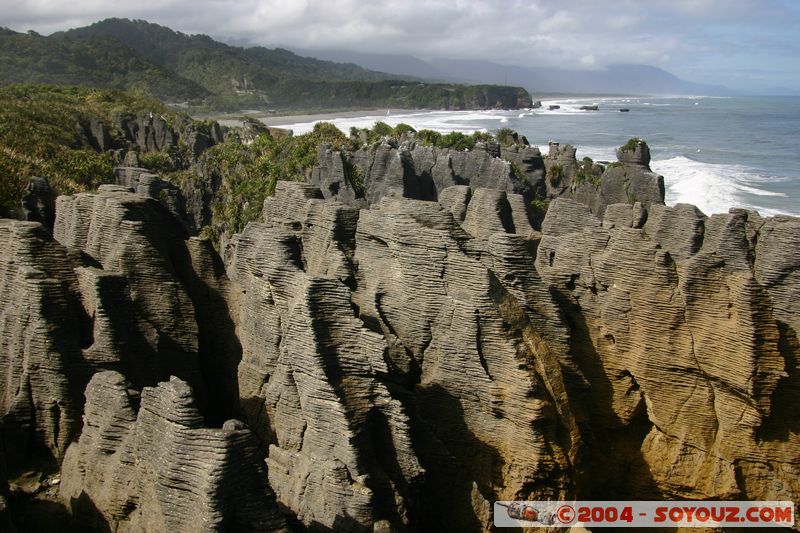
pixel 352 368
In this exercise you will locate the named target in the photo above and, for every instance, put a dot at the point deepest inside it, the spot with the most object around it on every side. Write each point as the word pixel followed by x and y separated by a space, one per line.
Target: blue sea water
pixel 713 152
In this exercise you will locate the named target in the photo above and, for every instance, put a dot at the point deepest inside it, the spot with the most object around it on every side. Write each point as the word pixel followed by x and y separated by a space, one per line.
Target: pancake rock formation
pixel 383 363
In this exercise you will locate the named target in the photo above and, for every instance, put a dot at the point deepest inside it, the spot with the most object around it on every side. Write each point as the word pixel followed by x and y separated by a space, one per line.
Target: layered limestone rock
pixel 491 416
pixel 40 343
pixel 121 290
pixel 177 320
pixel 407 169
pixel 133 237
pixel 629 180
pixel 368 399
pixel 675 328
pixel 147 464
pixel 187 204
pixel 397 360
pixel 411 170
pixel 312 386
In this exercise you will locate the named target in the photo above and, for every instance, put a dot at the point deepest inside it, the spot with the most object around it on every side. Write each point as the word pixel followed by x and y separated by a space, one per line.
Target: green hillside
pixel 176 67
pixel 92 61
pixel 43 132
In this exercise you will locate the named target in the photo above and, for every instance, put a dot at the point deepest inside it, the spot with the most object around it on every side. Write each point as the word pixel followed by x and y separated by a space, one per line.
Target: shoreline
pixel 281 119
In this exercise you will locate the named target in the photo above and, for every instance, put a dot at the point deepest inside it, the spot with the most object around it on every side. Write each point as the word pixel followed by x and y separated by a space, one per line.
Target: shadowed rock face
pixel 394 361
pixel 160 469
pixel 40 342
pixel 410 170
pixel 688 345
pixel 361 394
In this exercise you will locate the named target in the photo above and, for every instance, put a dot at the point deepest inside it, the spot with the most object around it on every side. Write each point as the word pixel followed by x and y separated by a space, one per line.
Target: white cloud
pixel 569 33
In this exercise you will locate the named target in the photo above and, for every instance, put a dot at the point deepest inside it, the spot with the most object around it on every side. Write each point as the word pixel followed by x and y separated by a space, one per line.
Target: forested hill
pixel 92 61
pixel 126 54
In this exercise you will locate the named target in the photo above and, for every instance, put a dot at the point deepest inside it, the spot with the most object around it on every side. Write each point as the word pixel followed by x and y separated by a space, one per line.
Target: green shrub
pixel 555 173
pixel 631 145
pixel 539 208
pixel 428 137
pixel 382 129
pixel 456 141
pixel 327 132
pixel 249 173
pixel 355 177
pixel 506 136
pixel 401 129
pixel 583 176
pixel 42 133
pixel 482 136
pixel 156 161
pixel 516 171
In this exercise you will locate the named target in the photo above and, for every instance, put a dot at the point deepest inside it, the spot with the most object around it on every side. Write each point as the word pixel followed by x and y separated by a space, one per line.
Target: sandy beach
pixel 279 120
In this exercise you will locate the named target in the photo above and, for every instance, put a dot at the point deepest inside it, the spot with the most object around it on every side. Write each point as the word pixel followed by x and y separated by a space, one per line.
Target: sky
pixel 748 45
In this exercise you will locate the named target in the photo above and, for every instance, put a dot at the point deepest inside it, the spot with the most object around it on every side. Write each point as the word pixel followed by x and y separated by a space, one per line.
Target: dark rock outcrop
pixel 391 357
pixel 689 359
pixel 37 203
pixel 630 180
pixel 148 464
pixel 40 343
pixel 410 170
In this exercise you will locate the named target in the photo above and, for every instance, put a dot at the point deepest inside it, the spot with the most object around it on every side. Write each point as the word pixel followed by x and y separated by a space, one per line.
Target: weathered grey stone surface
pixel 135 237
pixel 37 203
pixel 411 170
pixel 407 169
pixel 629 181
pixel 689 361
pixel 312 386
pixel 187 204
pixel 394 361
pixel 488 212
pixel 566 216
pixel 156 468
pixel 40 344
pixel 166 295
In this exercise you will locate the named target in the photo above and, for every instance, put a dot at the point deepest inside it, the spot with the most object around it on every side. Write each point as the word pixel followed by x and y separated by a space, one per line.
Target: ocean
pixel 714 152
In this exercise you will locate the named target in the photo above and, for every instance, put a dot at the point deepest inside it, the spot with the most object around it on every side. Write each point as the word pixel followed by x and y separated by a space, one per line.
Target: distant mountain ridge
pixel 126 54
pixel 614 79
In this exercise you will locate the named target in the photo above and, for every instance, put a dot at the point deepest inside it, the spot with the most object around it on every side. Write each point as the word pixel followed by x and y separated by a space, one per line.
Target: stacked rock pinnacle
pixel 398 364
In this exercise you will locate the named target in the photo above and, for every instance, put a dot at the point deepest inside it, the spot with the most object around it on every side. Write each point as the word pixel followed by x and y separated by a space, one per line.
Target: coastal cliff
pixel 375 328
pixel 363 368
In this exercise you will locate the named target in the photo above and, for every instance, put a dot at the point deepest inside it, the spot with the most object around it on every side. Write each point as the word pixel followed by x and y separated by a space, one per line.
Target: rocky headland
pixel 392 343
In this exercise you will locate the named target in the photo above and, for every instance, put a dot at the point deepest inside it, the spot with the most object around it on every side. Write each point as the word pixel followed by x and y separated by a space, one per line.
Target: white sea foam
pixel 713 188
pixel 442 121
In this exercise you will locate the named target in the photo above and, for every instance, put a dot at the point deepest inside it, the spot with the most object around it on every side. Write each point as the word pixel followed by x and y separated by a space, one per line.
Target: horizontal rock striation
pixel 157 300
pixel 147 464
pixel 687 346
pixel 40 342
pixel 123 290
pixel 401 363
pixel 409 169
pixel 367 398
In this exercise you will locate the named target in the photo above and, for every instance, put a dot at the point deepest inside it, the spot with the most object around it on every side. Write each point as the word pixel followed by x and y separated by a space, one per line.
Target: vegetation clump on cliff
pixel 249 172
pixel 43 132
pixel 631 145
